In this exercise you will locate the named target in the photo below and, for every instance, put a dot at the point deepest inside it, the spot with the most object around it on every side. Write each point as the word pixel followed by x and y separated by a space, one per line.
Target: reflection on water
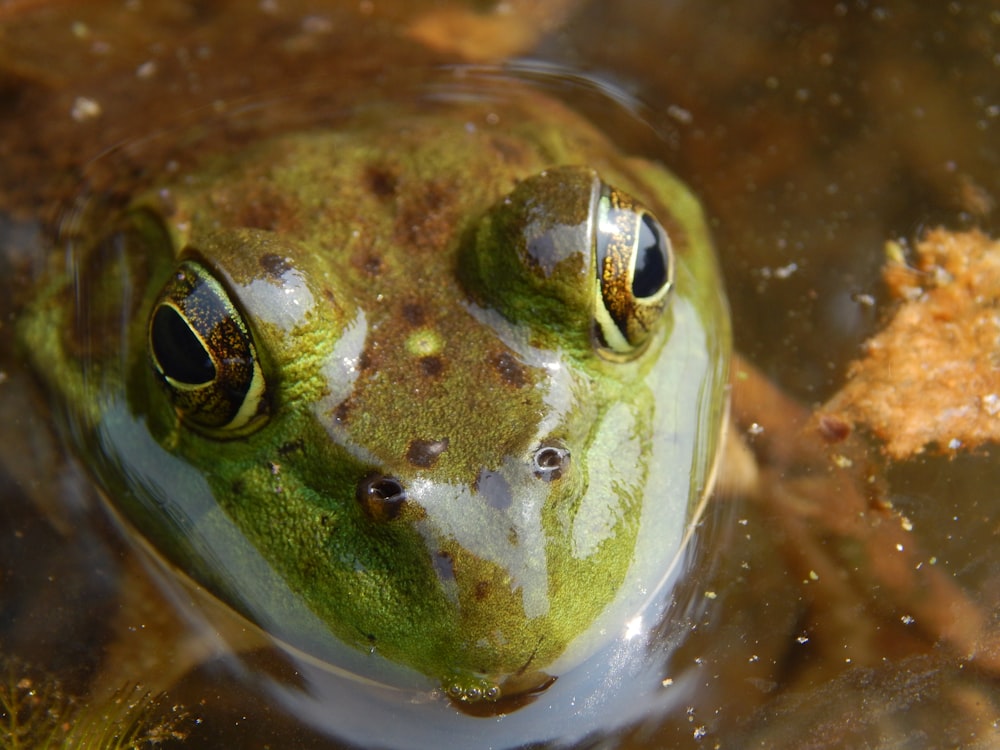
pixel 813 132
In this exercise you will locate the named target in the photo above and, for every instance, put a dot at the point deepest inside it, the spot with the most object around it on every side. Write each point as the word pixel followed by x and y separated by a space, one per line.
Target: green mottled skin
pixel 372 264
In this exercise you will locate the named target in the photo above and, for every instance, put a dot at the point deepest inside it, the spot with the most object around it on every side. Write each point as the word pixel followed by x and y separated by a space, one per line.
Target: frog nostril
pixel 550 461
pixel 381 497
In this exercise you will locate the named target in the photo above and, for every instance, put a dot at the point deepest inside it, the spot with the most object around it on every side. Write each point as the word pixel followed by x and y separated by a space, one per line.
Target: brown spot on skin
pixel 265 208
pixel 275 266
pixel 431 366
pixel 425 453
pixel 509 369
pixel 381 182
pixel 426 221
pixel 482 590
pixel 292 446
pixel 341 413
pixel 413 313
pixel 368 264
pixel 365 361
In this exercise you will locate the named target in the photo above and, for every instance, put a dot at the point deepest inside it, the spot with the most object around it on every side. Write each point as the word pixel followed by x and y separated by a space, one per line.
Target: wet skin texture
pixel 431 394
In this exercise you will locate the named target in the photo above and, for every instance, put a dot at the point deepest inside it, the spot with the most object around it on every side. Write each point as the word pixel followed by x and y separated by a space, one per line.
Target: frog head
pixel 434 394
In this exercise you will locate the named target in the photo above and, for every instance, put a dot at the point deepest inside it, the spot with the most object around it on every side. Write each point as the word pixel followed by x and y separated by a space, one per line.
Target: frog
pixel 433 396
pixel 825 542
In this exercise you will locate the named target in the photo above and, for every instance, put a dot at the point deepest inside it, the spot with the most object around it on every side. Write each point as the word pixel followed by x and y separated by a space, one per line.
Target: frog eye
pixel 635 269
pixel 202 351
pixel 576 258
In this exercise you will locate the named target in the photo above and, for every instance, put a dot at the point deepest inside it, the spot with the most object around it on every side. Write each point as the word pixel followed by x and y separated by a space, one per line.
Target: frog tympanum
pixel 433 392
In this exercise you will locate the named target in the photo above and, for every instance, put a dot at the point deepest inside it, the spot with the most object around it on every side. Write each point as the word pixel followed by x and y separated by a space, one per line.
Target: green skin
pixel 405 322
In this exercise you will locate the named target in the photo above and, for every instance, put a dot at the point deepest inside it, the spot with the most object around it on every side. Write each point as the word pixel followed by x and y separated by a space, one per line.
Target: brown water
pixel 813 132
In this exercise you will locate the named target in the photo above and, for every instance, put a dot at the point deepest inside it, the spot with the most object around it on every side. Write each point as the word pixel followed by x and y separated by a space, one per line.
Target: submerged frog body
pixel 434 393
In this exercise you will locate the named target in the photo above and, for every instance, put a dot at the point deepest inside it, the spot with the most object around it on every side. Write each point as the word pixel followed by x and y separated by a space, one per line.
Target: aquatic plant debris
pixel 37 713
pixel 930 380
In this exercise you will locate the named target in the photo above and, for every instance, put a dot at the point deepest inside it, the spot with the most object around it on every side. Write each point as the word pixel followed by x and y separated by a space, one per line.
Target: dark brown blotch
pixel 481 591
pixel 431 366
pixel 342 412
pixel 425 453
pixel 426 221
pixel 292 446
pixel 266 208
pixel 368 264
pixel 511 371
pixel 365 361
pixel 381 182
pixel 274 265
pixel 413 313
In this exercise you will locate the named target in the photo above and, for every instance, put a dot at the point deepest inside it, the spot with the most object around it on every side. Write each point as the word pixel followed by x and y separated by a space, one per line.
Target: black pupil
pixel 178 351
pixel 650 260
